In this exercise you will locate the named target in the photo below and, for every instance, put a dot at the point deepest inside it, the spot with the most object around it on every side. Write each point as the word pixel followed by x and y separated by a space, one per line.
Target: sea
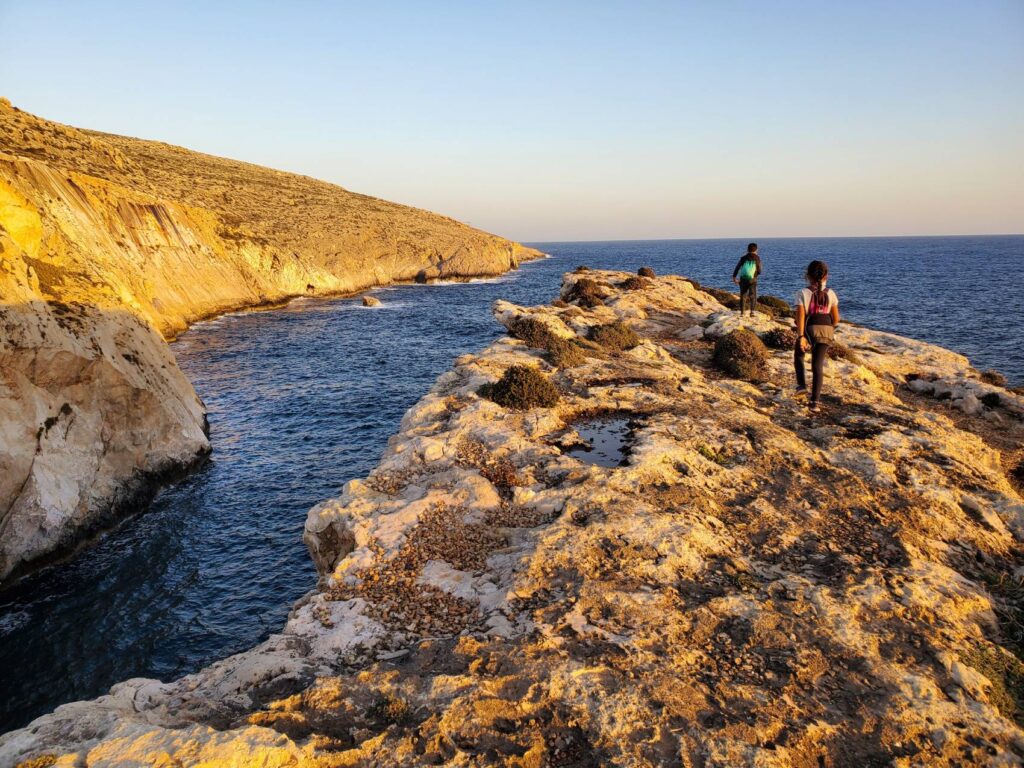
pixel 303 398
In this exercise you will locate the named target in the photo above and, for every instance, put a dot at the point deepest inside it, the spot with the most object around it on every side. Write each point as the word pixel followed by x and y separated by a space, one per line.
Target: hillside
pixel 748 586
pixel 108 243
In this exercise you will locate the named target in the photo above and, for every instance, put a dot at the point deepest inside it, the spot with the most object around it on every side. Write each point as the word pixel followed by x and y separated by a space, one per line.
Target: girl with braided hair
pixel 817 315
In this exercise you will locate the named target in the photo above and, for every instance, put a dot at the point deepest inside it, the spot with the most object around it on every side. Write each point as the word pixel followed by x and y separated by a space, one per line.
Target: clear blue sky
pixel 587 120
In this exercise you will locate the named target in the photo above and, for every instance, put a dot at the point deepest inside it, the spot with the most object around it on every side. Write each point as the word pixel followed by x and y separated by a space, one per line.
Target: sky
pixel 555 120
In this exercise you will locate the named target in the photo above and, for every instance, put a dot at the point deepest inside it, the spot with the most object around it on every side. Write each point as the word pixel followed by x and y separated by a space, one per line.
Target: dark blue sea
pixel 303 398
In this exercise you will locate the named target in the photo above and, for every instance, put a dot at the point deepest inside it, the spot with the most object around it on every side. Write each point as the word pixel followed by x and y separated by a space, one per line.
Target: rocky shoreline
pixel 109 247
pixel 749 586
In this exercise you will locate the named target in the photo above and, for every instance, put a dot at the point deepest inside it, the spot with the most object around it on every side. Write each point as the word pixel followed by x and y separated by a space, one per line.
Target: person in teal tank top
pixel 748 269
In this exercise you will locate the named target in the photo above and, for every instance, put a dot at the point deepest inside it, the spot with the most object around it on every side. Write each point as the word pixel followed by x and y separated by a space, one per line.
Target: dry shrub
pixel 774 306
pixel 646 272
pixel 521 388
pixel 560 303
pixel 532 331
pixel 993 377
pixel 992 399
pixel 563 353
pixel 635 283
pixel 726 299
pixel 742 355
pixel 837 351
pixel 614 336
pixel 780 338
pixel 499 470
pixel 586 293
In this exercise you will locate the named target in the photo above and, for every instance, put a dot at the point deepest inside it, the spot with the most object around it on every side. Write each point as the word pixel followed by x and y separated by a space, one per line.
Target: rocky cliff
pixel 108 244
pixel 749 585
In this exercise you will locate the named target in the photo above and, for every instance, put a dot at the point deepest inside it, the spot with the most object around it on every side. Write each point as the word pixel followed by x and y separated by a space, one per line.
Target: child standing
pixel 817 315
pixel 748 269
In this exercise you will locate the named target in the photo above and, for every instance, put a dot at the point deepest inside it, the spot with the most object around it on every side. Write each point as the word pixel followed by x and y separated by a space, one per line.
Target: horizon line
pixel 773 237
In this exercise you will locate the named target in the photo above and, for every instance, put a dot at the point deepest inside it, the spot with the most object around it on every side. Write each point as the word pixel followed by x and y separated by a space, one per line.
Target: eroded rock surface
pixel 753 586
pixel 107 243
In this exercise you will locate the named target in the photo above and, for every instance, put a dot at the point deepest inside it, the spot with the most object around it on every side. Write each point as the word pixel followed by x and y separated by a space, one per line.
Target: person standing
pixel 748 269
pixel 817 315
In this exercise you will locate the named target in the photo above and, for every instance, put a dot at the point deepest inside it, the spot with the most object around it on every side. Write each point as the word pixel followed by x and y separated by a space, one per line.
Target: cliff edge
pixel 740 585
pixel 108 246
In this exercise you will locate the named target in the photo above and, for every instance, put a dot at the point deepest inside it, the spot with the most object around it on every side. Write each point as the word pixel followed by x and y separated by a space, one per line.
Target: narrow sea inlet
pixel 303 398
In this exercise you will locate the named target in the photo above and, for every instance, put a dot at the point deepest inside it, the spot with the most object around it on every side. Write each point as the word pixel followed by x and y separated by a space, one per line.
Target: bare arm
pixel 801 322
pixel 835 314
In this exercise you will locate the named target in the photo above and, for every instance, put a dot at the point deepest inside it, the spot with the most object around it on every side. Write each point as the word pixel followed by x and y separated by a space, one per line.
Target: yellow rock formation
pixel 108 243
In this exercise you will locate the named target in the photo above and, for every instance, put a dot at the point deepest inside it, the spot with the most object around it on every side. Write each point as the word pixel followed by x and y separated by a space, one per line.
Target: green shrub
pixel 563 353
pixel 532 331
pixel 780 338
pixel 586 293
pixel 993 377
pixel 726 299
pixel 646 272
pixel 742 355
pixel 615 335
pixel 774 306
pixel 635 283
pixel 522 387
pixel 837 351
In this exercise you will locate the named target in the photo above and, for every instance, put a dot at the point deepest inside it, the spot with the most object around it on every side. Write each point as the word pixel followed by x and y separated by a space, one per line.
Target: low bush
pixel 646 272
pixel 993 377
pixel 560 303
pixel 780 338
pixel 774 306
pixel 742 355
pixel 635 283
pixel 837 351
pixel 582 268
pixel 522 387
pixel 563 353
pixel 586 293
pixel 615 336
pixel 992 400
pixel 532 331
pixel 726 299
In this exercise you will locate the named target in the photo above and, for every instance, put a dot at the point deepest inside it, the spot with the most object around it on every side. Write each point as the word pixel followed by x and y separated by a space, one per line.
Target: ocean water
pixel 303 398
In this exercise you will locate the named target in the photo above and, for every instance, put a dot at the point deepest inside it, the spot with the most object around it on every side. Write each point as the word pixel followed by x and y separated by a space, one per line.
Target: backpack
pixel 818 326
pixel 747 270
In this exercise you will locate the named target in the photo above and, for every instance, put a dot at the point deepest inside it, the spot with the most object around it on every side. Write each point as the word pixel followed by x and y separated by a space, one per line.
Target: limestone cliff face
pixel 752 586
pixel 107 244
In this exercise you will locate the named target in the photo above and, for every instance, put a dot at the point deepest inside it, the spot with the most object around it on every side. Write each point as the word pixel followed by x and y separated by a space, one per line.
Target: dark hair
pixel 817 271
pixel 752 247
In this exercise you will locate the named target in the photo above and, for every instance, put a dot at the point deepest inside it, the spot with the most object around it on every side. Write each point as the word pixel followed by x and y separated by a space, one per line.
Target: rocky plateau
pixel 751 585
